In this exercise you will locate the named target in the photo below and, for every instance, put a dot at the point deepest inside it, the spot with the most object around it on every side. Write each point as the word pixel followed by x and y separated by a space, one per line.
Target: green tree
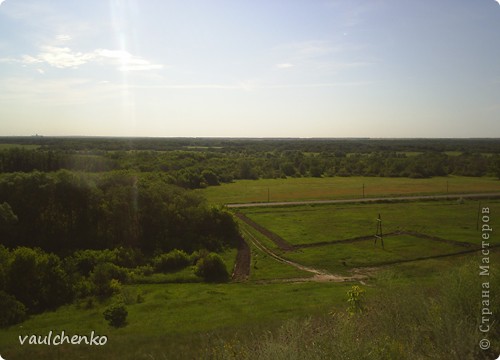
pixel 38 280
pixel 11 310
pixel 116 315
pixel 212 268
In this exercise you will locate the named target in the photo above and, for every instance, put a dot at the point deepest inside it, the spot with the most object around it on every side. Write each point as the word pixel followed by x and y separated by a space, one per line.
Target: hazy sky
pixel 254 68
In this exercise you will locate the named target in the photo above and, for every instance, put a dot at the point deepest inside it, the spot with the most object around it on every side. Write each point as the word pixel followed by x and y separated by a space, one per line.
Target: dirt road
pixel 367 200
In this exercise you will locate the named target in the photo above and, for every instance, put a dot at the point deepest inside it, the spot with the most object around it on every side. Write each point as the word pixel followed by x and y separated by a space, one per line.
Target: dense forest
pixel 80 216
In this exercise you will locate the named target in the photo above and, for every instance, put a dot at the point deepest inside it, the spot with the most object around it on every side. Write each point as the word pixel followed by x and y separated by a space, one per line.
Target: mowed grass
pixel 451 220
pixel 173 319
pixel 330 188
pixel 339 258
pixel 263 266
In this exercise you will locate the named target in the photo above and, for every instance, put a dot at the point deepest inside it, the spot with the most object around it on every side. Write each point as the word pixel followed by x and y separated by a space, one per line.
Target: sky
pixel 250 68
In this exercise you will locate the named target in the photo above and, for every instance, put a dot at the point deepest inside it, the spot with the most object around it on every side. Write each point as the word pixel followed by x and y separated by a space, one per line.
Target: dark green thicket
pixel 65 211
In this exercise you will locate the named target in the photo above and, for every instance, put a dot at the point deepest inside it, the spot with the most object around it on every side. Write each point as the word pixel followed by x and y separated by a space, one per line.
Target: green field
pixel 299 189
pixel 450 220
pixel 428 229
pixel 171 314
pixel 339 258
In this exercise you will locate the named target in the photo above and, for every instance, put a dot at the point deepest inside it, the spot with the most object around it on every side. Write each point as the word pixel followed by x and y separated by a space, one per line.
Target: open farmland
pixel 311 224
pixel 339 238
pixel 330 188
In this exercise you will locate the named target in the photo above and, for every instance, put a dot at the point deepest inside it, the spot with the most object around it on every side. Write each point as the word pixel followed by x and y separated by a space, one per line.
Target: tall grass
pixel 399 322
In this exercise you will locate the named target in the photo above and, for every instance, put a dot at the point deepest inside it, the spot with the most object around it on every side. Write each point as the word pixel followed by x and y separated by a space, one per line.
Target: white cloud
pixel 498 1
pixel 2 1
pixel 64 57
pixel 284 66
pixel 311 49
pixel 63 38
pixel 126 61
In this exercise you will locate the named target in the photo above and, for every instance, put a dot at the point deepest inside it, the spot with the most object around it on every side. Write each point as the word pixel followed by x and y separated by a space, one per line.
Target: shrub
pixel 145 270
pixel 172 261
pixel 11 310
pixel 84 261
pixel 38 280
pixel 102 277
pixel 212 268
pixel 355 300
pixel 128 257
pixel 116 315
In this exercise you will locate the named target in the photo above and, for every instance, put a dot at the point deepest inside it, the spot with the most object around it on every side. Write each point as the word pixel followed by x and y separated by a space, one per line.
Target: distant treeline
pixel 192 168
pixel 317 145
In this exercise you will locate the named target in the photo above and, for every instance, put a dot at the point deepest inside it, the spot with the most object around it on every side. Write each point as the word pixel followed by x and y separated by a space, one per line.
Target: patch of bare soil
pixel 242 267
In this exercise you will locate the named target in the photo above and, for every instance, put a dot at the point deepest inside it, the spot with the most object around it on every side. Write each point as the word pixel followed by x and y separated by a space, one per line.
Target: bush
pixel 145 270
pixel 102 279
pixel 212 268
pixel 116 315
pixel 11 310
pixel 128 257
pixel 172 261
pixel 85 261
pixel 38 280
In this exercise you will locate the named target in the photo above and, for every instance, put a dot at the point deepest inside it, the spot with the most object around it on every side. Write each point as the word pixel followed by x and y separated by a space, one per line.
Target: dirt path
pixel 241 270
pixel 395 233
pixel 278 240
pixel 343 201
pixel 319 275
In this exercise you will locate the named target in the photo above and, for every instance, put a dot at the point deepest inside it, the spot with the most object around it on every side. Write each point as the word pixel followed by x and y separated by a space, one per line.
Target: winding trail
pixel 319 275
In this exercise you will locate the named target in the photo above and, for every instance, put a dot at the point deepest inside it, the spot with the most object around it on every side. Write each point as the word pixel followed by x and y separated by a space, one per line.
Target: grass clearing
pixel 174 312
pixel 452 220
pixel 330 188
pixel 263 266
pixel 339 258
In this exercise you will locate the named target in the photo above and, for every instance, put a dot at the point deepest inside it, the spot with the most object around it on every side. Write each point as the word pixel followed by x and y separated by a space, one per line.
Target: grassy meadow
pixel 173 314
pixel 330 188
pixel 452 220
pixel 339 258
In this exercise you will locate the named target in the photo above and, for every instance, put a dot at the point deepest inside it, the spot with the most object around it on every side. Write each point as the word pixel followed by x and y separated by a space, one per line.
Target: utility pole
pixel 379 234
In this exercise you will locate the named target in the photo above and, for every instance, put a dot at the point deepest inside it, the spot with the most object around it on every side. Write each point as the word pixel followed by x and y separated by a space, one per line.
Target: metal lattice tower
pixel 379 234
